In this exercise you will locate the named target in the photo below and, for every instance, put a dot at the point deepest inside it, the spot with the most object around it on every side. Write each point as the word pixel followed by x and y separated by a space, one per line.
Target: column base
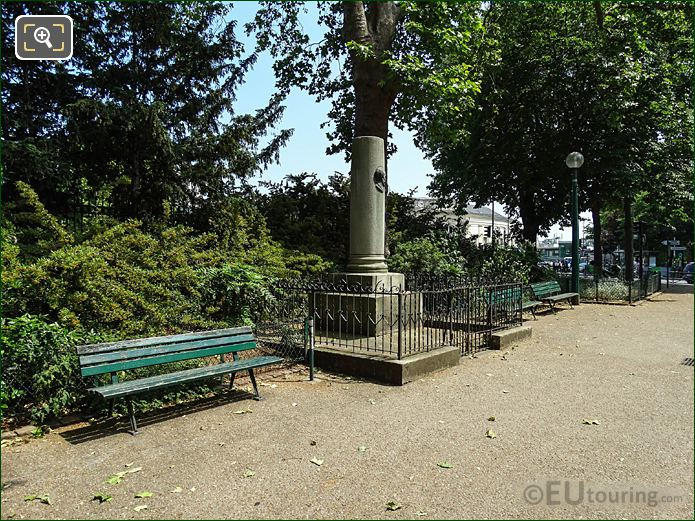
pixel 367 264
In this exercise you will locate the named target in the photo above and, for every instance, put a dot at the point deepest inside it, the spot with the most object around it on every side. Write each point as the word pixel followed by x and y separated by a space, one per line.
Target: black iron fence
pixel 615 290
pixel 395 317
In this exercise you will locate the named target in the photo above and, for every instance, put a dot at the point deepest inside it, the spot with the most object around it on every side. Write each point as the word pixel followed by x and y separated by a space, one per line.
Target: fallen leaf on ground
pixel 420 513
pixel 392 505
pixel 362 448
pixel 114 480
pixel 316 461
pixel 242 411
pixel 133 471
pixel 373 402
pixel 490 433
pixel 249 473
pixel 144 494
pixel 177 490
pixel 491 419
pixel 102 498
pixel 505 391
pixel 294 404
pixel 43 498
pixel 312 443
pixel 128 465
pixel 445 465
pixel 587 421
pixel 488 374
pixel 140 507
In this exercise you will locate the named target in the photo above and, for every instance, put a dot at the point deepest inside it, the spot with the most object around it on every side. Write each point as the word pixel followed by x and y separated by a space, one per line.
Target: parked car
pixel 688 272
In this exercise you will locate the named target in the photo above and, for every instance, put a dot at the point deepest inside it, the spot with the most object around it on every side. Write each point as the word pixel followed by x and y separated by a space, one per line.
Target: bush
pixel 459 256
pixel 40 374
pixel 124 280
pixel 425 255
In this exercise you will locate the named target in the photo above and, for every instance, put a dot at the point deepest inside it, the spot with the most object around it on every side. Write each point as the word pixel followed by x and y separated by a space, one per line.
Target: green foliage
pixel 33 228
pixel 393 67
pixel 123 281
pixel 39 366
pixel 142 114
pixel 508 264
pixel 129 281
pixel 611 80
pixel 308 215
pixel 235 290
pixel 449 256
pixel 425 255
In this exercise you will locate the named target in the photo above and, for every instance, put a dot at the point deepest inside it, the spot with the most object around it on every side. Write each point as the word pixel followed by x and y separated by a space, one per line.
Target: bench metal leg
pixel 255 387
pixel 111 406
pixel 231 381
pixel 133 423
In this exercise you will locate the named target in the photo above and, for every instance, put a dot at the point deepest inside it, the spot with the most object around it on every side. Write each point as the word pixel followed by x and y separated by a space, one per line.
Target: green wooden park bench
pixel 109 358
pixel 504 298
pixel 550 293
pixel 529 303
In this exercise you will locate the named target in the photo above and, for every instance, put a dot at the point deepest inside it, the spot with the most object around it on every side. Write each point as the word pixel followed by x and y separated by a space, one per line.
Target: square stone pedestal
pixel 365 305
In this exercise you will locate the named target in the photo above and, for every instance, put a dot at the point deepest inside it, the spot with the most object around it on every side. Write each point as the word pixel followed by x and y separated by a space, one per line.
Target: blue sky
pixel 306 149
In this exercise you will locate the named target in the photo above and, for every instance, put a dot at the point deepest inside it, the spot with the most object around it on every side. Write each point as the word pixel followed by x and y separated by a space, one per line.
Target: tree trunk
pixel 629 256
pixel 598 245
pixel 374 92
pixel 527 212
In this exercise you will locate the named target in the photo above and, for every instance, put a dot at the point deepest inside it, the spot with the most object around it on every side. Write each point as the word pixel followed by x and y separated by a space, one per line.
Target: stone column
pixel 367 206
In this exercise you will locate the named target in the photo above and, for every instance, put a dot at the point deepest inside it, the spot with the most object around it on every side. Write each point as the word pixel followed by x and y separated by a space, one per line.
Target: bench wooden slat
pixel 164 359
pixel 128 354
pixel 545 289
pixel 159 340
pixel 188 375
pixel 561 296
pixel 530 304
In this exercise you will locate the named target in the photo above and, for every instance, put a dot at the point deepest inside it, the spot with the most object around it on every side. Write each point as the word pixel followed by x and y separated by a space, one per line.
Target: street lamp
pixel 574 161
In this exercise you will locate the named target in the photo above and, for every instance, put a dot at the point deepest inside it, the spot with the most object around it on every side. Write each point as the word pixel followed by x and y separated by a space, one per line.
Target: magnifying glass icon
pixel 42 35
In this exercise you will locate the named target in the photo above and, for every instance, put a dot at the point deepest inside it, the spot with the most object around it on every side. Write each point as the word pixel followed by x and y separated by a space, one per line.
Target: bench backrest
pixel 504 296
pixel 96 359
pixel 545 289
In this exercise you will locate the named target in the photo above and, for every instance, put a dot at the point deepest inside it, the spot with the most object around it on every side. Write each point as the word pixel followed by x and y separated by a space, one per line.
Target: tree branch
pixel 599 14
pixel 355 26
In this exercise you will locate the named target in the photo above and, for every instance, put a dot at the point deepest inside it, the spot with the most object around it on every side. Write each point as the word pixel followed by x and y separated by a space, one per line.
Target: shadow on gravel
pixel 677 289
pixel 109 426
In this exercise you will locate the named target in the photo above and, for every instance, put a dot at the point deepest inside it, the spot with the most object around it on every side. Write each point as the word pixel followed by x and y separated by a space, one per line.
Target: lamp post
pixel 574 161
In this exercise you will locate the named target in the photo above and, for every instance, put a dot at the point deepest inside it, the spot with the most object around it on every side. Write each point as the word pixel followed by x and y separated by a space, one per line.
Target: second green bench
pixel 550 293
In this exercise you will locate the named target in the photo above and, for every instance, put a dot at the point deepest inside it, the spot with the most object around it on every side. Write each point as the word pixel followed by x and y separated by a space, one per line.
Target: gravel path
pixel 619 365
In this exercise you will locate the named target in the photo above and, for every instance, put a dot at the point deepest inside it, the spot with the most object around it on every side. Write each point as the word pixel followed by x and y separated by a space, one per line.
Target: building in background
pixel 478 221
pixel 553 249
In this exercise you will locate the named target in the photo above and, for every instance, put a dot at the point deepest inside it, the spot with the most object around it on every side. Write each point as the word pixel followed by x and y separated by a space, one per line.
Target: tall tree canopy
pixel 378 62
pixel 142 114
pixel 610 80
